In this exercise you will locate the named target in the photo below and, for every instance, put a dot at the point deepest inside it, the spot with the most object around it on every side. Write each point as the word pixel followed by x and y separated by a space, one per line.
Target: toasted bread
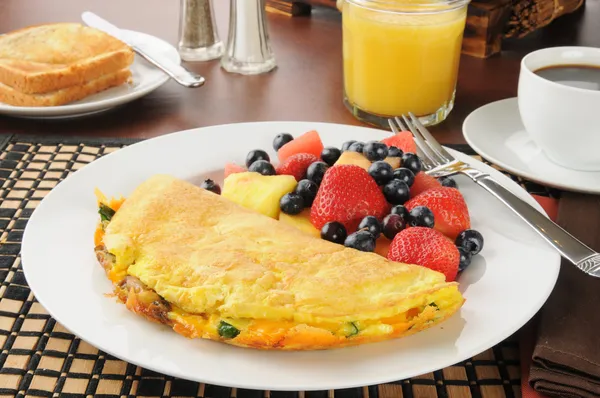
pixel 46 58
pixel 10 96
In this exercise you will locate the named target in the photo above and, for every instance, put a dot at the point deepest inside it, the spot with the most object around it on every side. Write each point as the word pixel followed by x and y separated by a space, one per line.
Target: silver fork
pixel 440 163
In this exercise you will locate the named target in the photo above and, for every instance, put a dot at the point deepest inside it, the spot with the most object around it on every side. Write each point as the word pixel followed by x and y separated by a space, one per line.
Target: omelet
pixel 208 268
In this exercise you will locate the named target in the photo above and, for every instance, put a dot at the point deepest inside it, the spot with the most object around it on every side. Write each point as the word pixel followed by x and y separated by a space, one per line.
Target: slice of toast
pixel 46 58
pixel 10 96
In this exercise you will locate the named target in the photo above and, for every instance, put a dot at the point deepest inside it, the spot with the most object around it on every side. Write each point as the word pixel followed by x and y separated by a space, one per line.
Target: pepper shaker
pixel 198 36
pixel 248 49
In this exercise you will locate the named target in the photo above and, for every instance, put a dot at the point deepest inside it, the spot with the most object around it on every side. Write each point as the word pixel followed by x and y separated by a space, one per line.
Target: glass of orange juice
pixel 401 56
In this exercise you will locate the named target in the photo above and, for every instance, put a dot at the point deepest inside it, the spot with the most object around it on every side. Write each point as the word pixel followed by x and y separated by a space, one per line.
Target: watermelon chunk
pixel 309 142
pixel 403 140
pixel 231 168
pixel 422 183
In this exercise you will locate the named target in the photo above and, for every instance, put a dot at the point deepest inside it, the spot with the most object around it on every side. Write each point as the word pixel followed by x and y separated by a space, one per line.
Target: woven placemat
pixel 40 358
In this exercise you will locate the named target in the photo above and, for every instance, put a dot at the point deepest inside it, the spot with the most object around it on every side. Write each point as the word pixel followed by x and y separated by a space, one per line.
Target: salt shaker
pixel 198 36
pixel 248 49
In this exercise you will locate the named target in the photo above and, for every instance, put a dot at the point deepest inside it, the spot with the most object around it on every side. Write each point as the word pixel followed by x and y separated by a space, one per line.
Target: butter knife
pixel 140 46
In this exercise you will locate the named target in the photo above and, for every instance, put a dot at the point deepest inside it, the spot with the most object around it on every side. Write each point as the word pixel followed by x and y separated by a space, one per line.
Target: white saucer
pixel 495 132
pixel 146 78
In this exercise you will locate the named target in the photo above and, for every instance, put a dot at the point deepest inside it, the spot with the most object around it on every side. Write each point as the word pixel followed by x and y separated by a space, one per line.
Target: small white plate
pixel 496 132
pixel 145 79
pixel 504 286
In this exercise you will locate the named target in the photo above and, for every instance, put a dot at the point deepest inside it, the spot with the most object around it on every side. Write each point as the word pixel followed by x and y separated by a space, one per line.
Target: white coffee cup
pixel 564 121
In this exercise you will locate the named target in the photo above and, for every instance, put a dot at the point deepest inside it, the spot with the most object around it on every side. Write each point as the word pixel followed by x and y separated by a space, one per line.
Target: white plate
pixel 496 132
pixel 504 286
pixel 146 78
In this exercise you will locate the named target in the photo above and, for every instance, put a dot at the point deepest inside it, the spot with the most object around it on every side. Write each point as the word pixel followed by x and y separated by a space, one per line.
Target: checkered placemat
pixel 40 358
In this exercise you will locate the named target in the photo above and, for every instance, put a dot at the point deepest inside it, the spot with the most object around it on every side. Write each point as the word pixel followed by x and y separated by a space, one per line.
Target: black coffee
pixel 582 76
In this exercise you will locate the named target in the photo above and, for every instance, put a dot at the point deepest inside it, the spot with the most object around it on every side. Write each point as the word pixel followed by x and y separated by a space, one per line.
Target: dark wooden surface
pixel 306 86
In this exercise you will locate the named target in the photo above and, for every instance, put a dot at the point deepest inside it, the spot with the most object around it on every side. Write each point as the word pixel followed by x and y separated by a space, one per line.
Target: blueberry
pixel 308 190
pixel 334 232
pixel 330 155
pixel 256 154
pixel 346 145
pixel 394 152
pixel 465 258
pixel 396 192
pixel 263 167
pixel 404 174
pixel 281 139
pixel 471 240
pixel 411 162
pixel 291 203
pixel 212 186
pixel 392 224
pixel 381 172
pixel 371 224
pixel 316 171
pixel 356 147
pixel 448 182
pixel 375 150
pixel 421 216
pixel 361 240
pixel 401 211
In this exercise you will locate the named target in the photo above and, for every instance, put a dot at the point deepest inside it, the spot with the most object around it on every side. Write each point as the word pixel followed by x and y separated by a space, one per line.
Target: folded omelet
pixel 190 259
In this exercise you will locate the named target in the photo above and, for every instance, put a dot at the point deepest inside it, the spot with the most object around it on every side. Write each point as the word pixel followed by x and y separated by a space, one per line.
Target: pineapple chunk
pixel 354 158
pixel 258 192
pixel 394 162
pixel 300 221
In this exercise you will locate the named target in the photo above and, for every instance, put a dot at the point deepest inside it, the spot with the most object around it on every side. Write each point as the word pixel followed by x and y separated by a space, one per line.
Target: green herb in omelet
pixel 106 213
pixel 433 304
pixel 227 331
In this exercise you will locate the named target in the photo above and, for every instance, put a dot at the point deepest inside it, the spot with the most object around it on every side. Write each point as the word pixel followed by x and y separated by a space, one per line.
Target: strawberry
pixel 450 212
pixel 403 140
pixel 231 168
pixel 422 183
pixel 296 165
pixel 347 194
pixel 428 248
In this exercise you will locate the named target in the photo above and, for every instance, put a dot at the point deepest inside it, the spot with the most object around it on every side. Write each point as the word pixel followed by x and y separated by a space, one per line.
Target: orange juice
pixel 402 57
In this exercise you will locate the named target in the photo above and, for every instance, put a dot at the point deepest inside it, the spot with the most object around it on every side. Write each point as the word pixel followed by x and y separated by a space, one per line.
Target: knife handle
pixel 175 71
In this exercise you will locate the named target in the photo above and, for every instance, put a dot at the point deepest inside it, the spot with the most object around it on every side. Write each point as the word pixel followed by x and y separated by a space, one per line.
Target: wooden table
pixel 306 86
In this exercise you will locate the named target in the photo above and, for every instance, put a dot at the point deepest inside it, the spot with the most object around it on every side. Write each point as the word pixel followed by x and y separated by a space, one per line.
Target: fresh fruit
pixel 375 150
pixel 401 211
pixel 281 139
pixel 296 165
pixel 308 190
pixel 291 203
pixel 422 183
pixel 428 248
pixel 316 171
pixel 354 158
pixel 421 216
pixel 361 240
pixel 394 152
pixel 357 147
pixel 382 246
pixel 371 224
pixel 347 144
pixel 449 209
pixel 255 155
pixel 448 182
pixel 309 142
pixel 212 186
pixel 411 162
pixel 396 192
pixel 465 258
pixel 334 232
pixel 404 174
pixel 392 225
pixel 330 155
pixel 471 240
pixel 381 172
pixel 394 162
pixel 258 192
pixel 347 194
pixel 403 141
pixel 300 221
pixel 232 168
pixel 263 167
